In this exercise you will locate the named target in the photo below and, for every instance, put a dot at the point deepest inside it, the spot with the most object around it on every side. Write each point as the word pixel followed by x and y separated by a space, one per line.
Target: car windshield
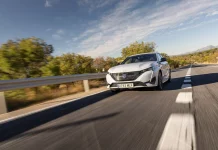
pixel 140 58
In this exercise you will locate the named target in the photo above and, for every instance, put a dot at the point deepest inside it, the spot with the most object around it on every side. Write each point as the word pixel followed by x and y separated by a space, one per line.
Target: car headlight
pixel 145 70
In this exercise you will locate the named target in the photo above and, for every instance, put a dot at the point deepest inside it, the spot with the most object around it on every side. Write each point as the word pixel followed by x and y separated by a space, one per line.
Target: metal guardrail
pixel 35 82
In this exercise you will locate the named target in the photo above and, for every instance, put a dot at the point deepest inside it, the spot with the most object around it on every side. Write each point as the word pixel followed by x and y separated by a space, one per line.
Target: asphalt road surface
pixel 132 119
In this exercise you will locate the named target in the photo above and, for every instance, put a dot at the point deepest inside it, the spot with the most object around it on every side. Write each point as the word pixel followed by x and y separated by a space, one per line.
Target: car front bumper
pixel 147 79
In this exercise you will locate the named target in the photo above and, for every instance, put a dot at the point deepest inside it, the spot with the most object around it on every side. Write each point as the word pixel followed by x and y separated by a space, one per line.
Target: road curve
pixel 132 119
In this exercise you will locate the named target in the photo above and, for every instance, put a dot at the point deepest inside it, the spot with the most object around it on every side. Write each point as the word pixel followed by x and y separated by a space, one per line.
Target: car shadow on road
pixel 204 79
pixel 20 125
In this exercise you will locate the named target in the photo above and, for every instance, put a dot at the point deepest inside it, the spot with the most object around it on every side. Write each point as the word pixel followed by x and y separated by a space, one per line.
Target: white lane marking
pixel 187 81
pixel 184 97
pixel 188 73
pixel 179 133
pixel 186 86
pixel 187 77
pixel 39 110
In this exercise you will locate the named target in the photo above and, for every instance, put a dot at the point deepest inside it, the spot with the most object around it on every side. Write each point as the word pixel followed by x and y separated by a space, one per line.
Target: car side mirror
pixel 163 59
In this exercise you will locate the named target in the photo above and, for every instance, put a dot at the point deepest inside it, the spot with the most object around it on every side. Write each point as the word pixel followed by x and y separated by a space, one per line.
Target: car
pixel 137 71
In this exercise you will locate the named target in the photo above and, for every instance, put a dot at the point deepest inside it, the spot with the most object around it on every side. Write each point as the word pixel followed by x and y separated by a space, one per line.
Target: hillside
pixel 206 56
pixel 206 48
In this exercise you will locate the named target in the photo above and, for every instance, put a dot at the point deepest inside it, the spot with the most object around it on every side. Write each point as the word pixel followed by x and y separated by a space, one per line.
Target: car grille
pixel 126 76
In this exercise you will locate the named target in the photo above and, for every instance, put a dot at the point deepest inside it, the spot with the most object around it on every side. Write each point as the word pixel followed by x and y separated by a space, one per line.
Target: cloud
pixel 49 29
pixel 212 13
pixel 159 2
pixel 50 3
pixel 75 39
pixel 60 31
pixel 215 13
pixel 197 25
pixel 68 41
pixel 95 4
pixel 47 3
pixel 127 23
pixel 58 35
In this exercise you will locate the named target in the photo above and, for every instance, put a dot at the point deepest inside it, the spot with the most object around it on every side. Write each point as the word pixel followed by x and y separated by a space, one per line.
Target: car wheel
pixel 169 80
pixel 160 82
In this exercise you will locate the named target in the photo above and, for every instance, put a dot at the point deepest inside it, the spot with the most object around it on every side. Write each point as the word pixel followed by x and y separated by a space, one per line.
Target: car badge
pixel 124 75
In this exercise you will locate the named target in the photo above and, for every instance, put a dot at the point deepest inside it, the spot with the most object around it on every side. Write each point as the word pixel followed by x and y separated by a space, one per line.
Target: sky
pixel 103 27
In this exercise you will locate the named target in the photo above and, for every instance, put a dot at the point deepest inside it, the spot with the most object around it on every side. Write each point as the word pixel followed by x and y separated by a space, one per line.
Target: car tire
pixel 169 80
pixel 160 82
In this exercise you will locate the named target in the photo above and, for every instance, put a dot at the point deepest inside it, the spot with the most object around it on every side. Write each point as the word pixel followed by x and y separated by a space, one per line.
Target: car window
pixel 140 58
pixel 129 60
pixel 158 57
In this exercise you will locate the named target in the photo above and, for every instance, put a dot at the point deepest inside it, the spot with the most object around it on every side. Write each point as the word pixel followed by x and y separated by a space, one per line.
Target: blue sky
pixel 104 27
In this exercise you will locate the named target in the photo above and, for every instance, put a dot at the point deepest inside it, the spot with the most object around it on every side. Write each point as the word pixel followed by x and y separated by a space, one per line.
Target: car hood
pixel 131 67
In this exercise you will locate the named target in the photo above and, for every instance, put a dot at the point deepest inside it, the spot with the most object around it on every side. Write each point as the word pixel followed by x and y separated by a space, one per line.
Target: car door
pixel 160 64
pixel 165 68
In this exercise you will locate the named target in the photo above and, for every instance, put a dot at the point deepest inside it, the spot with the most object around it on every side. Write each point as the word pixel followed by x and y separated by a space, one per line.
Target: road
pixel 132 119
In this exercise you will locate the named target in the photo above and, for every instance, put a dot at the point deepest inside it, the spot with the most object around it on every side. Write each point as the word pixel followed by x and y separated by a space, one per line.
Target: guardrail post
pixel 3 106
pixel 86 85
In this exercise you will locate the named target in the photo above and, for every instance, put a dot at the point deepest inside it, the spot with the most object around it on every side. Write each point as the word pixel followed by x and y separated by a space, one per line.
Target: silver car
pixel 142 70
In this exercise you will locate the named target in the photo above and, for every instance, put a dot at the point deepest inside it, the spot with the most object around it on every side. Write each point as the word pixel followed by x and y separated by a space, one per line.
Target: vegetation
pixel 137 48
pixel 32 57
pixel 23 58
pixel 209 56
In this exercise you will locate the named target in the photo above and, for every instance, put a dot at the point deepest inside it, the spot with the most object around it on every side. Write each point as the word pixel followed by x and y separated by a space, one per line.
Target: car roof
pixel 144 54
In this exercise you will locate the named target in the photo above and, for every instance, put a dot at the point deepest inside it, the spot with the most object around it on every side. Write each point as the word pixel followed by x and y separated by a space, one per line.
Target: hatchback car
pixel 142 70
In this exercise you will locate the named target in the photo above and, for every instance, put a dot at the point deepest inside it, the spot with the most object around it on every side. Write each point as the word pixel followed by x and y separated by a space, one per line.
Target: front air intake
pixel 126 76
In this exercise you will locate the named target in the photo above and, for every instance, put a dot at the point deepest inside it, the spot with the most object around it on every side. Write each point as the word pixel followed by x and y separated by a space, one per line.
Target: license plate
pixel 127 85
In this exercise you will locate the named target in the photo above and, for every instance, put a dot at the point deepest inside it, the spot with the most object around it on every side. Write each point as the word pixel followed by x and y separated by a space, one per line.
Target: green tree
pixel 75 64
pixel 52 68
pixel 137 48
pixel 110 62
pixel 23 58
pixel 99 64
pixel 119 59
pixel 165 56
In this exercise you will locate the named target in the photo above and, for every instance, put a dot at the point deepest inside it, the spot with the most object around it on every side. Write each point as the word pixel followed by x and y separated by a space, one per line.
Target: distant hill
pixel 206 48
pixel 198 50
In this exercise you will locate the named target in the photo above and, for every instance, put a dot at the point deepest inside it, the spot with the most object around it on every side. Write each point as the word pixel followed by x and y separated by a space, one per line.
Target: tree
pixel 23 58
pixel 52 68
pixel 84 64
pixel 165 55
pixel 119 59
pixel 137 48
pixel 75 64
pixel 110 62
pixel 99 64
